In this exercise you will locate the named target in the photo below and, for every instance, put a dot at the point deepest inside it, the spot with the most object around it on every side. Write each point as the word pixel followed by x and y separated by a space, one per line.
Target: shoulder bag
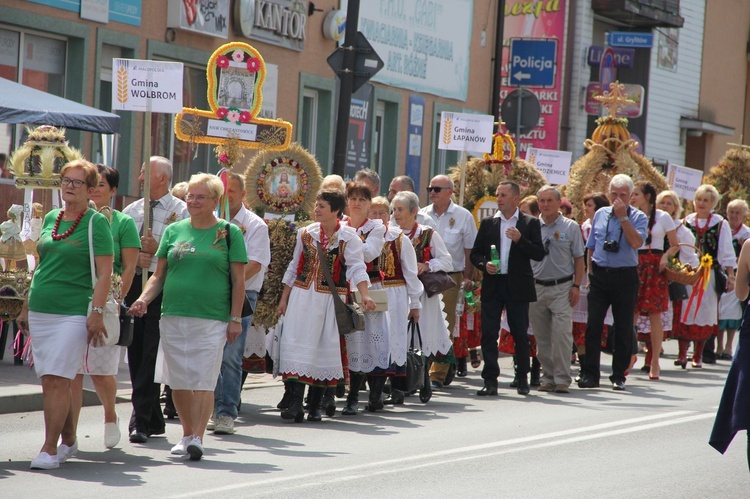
pixel 720 275
pixel 247 308
pixel 436 282
pixel 349 317
pixel 415 361
pixel 111 308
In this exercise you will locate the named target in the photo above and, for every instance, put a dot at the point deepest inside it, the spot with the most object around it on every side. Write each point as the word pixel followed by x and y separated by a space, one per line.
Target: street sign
pixel 520 111
pixel 532 62
pixel 624 58
pixel 632 39
pixel 366 64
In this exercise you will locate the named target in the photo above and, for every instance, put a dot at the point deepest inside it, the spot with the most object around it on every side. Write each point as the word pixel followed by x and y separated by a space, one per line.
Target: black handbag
pixel 349 317
pixel 247 308
pixel 126 327
pixel 677 291
pixel 415 361
pixel 436 282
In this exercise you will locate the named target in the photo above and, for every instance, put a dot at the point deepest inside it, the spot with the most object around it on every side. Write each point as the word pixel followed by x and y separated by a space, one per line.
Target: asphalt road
pixel 650 441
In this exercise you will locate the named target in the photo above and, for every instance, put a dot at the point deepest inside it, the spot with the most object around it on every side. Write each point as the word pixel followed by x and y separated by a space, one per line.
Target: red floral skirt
pixel 507 345
pixel 653 292
pixel 692 332
pixel 676 324
pixel 470 338
pixel 579 334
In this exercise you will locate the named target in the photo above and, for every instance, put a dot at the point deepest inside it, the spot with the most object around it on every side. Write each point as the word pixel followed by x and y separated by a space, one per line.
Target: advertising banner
pixel 425 45
pixel 147 86
pixel 416 133
pixel 360 131
pixel 546 20
pixel 206 18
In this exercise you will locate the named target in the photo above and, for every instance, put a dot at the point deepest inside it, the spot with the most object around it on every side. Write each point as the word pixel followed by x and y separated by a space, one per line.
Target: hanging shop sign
pixel 236 73
pixel 334 25
pixel 279 22
pixel 199 16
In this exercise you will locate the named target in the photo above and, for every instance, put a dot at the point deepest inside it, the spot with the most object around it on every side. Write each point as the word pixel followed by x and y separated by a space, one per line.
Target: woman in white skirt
pixel 398 262
pixel 368 351
pixel 730 310
pixel 201 271
pixel 432 256
pixel 310 347
pixel 102 363
pixel 56 312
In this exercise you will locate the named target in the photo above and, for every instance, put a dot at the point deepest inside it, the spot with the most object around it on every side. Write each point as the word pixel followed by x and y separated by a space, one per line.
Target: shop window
pixel 104 142
pixel 309 129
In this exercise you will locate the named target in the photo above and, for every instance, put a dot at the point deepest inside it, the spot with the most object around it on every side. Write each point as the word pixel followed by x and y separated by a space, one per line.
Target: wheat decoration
pixel 122 85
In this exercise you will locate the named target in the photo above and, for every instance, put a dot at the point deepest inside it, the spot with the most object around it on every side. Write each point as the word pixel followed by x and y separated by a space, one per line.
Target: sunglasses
pixel 436 189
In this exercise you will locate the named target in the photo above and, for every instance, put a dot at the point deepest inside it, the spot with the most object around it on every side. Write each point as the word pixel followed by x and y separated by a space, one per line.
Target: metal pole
pixel 146 184
pixel 518 118
pixel 345 88
pixel 497 76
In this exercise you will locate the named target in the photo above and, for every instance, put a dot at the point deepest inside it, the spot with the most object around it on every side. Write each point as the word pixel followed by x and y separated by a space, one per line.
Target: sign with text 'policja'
pixel 140 85
pixel 466 132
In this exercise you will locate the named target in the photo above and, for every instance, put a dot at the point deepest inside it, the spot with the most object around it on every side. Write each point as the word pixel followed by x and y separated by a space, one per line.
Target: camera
pixel 611 246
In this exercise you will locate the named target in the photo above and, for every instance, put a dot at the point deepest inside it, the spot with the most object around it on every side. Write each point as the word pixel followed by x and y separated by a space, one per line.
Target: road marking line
pixel 386 467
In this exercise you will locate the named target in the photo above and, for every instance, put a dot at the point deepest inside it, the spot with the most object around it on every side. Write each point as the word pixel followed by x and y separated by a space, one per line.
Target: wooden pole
pixel 462 190
pixel 146 184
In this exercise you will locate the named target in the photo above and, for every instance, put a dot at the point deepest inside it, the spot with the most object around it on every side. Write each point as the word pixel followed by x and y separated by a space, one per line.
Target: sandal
pixel 475 357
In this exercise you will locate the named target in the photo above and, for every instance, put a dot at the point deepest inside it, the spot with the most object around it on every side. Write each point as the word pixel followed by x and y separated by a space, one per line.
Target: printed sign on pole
pixel 555 165
pixel 684 181
pixel 466 132
pixel 154 86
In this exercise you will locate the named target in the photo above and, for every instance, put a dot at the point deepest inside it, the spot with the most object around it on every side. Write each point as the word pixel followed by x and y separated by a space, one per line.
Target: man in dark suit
pixel 508 285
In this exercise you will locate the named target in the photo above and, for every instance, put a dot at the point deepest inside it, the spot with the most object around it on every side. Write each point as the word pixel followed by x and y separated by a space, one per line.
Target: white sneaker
pixel 195 449
pixel 112 433
pixel 224 426
pixel 65 452
pixel 211 426
pixel 181 448
pixel 44 462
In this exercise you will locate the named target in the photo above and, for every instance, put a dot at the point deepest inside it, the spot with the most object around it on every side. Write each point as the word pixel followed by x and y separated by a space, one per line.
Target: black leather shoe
pixel 588 382
pixel 487 391
pixel 138 437
pixel 170 412
pixel 461 370
pixel 396 398
pixel 523 389
pixel 618 386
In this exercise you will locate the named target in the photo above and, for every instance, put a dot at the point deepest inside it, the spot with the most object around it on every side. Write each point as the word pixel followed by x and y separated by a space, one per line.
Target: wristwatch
pixel 238 320
pixel 577 286
pixel 624 219
pixel 100 310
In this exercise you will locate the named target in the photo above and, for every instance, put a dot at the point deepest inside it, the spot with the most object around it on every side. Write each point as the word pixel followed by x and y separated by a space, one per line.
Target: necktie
pixel 152 204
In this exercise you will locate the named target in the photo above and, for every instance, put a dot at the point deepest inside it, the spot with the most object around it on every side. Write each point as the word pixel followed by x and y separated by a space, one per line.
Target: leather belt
pixel 554 282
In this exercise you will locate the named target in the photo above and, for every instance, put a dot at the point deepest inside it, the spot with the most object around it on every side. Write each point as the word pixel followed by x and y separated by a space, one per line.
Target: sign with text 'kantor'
pixel 555 165
pixel 684 181
pixel 466 132
pixel 532 62
pixel 140 85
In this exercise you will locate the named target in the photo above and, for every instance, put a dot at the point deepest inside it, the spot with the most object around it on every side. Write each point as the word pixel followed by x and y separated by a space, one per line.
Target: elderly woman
pixel 714 237
pixel 56 312
pixel 310 348
pixel 730 310
pixel 432 256
pixel 398 262
pixel 103 363
pixel 653 292
pixel 368 351
pixel 201 269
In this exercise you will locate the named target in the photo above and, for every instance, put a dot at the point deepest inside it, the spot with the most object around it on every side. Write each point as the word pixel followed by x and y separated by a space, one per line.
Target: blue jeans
pixel 228 386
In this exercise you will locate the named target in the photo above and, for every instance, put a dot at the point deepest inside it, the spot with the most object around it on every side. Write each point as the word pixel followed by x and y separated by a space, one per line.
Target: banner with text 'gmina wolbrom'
pixel 140 85
pixel 466 132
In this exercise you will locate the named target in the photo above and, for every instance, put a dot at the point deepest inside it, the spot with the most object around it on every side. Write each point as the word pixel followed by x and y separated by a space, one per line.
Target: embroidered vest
pixel 709 242
pixel 373 267
pixel 390 262
pixel 422 243
pixel 309 270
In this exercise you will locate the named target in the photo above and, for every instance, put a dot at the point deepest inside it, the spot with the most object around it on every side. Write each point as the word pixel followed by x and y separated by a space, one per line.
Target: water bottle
pixel 494 256
pixel 460 305
pixel 470 298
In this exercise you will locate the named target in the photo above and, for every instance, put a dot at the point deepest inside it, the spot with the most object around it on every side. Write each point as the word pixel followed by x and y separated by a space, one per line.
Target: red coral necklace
pixel 58 237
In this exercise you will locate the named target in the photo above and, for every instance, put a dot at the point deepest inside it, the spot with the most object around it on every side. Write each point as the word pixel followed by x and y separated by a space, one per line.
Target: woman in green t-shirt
pixel 55 314
pixel 103 363
pixel 201 271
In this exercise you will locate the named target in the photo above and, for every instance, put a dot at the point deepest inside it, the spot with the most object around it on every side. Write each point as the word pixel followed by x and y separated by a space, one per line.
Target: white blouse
pixel 373 245
pixel 440 258
pixel 663 223
pixel 725 251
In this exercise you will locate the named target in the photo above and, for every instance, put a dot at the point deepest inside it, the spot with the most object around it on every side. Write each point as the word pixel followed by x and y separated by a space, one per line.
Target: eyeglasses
pixel 436 189
pixel 76 183
pixel 191 197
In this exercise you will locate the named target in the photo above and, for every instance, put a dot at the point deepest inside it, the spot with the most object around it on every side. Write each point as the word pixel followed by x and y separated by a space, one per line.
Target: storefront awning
pixel 697 126
pixel 22 104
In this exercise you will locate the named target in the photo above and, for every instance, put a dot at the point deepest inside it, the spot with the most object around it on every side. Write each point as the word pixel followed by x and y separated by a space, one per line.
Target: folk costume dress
pixel 430 249
pixel 310 348
pixel 369 350
pixel 713 237
pixel 398 263
pixel 730 310
pixel 105 360
pixel 686 255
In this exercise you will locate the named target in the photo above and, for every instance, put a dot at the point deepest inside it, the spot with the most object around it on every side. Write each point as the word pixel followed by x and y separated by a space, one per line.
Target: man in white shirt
pixel 147 418
pixel 255 231
pixel 457 227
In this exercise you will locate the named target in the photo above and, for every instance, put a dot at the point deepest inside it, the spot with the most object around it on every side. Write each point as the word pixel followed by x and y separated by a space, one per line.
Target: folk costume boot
pixel 316 403
pixel 352 399
pixel 581 363
pixel 682 355
pixel 295 411
pixel 514 383
pixel 375 402
pixel 697 362
pixel 536 369
pixel 461 369
pixel 647 363
pixel 287 398
pixel 329 401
